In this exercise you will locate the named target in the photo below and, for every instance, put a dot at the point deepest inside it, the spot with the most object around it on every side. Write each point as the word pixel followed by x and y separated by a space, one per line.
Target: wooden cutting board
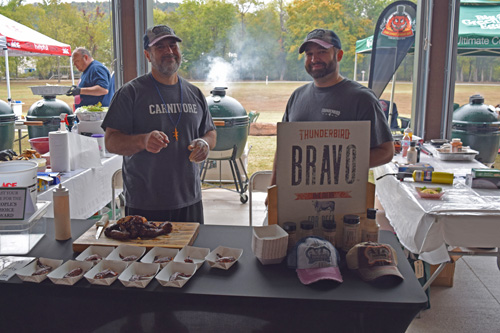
pixel 183 233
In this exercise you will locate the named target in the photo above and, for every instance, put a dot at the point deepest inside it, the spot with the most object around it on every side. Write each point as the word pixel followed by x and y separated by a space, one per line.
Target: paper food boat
pixel 126 251
pixel 148 271
pixel 114 265
pixel 26 273
pixel 102 251
pixel 176 267
pixel 224 252
pixel 57 276
pixel 424 195
pixel 160 252
pixel 269 244
pixel 196 254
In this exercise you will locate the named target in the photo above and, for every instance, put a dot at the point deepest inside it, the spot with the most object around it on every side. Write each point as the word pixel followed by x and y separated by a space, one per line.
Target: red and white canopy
pixel 24 41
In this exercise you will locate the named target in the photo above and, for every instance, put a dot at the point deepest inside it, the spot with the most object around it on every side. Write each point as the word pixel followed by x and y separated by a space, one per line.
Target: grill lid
pixel 223 106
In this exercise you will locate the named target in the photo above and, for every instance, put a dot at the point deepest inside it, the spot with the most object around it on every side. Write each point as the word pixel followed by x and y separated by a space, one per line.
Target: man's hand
pixel 7 155
pixel 156 141
pixel 199 150
pixel 73 91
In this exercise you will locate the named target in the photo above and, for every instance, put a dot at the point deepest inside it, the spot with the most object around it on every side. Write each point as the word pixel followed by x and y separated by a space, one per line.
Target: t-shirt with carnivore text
pixel 166 180
pixel 344 101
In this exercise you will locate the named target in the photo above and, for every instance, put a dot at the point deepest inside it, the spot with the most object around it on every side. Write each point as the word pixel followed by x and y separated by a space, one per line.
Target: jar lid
pixel 307 225
pixel 351 219
pixel 329 224
pixel 371 213
pixel 289 226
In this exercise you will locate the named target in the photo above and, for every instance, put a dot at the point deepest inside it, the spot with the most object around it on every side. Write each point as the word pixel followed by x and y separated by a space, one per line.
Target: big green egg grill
pixel 232 125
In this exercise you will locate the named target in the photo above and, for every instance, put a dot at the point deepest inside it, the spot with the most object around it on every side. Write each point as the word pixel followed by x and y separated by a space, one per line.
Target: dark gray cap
pixel 157 33
pixel 324 38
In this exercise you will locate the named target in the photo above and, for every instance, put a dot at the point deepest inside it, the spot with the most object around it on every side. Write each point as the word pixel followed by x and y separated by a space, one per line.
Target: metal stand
pixel 241 185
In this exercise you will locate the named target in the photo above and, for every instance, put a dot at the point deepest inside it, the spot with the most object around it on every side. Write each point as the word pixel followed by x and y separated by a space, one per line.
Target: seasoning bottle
pixel 62 221
pixel 291 230
pixel 411 156
pixel 405 144
pixel 433 177
pixel 329 230
pixel 371 228
pixel 306 229
pixel 409 131
pixel 351 232
pixel 456 145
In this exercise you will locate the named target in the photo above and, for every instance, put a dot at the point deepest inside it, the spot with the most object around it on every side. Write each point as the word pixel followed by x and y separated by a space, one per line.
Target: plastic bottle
pixel 291 230
pixel 433 177
pixel 409 132
pixel 456 145
pixel 351 235
pixel 371 228
pixel 411 156
pixel 405 144
pixel 62 220
pixel 329 230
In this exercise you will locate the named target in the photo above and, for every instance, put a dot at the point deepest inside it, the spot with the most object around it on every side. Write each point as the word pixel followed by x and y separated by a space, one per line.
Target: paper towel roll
pixel 59 151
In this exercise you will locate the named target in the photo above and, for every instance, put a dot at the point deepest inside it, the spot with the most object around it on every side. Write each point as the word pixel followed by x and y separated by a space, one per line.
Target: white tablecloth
pixel 463 217
pixel 89 189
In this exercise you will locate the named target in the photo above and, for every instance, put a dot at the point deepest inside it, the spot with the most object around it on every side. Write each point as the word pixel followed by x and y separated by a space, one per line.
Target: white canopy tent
pixel 19 40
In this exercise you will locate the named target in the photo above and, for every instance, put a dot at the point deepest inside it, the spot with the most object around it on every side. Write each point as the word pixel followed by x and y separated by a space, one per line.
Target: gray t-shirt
pixel 344 101
pixel 166 180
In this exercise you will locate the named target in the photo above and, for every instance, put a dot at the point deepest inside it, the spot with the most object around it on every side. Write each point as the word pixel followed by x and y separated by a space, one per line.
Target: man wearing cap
pixel 331 97
pixel 161 125
pixel 95 81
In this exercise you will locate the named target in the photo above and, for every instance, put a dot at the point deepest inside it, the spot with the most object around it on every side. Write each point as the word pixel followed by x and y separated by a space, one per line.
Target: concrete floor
pixel 471 305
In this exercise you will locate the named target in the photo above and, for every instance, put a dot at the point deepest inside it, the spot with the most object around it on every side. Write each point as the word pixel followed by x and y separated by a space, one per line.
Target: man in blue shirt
pixel 94 83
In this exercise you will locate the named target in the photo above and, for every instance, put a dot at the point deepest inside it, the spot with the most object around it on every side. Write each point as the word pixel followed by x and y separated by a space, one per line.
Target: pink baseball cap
pixel 315 259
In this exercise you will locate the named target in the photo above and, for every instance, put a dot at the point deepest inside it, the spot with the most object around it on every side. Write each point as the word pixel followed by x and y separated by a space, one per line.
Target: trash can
pixel 7 126
pixel 478 127
pixel 48 111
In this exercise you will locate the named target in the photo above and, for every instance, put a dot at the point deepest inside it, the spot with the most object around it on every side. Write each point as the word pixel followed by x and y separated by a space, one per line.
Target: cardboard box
pixel 445 278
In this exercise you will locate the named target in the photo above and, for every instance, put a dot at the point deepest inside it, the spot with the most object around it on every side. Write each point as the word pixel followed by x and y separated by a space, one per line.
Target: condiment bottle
pixel 433 177
pixel 329 230
pixel 351 232
pixel 409 132
pixel 371 228
pixel 405 144
pixel 456 145
pixel 411 156
pixel 291 230
pixel 62 220
pixel 306 228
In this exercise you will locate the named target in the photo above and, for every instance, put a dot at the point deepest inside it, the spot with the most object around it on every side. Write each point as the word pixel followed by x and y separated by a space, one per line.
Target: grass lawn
pixel 267 99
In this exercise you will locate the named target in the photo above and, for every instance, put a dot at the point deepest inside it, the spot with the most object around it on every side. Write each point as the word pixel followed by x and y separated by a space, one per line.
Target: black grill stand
pixel 241 186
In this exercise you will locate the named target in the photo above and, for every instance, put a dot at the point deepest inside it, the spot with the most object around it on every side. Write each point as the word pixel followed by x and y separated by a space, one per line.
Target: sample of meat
pixel 134 226
pixel 42 269
pixel 107 273
pixel 74 272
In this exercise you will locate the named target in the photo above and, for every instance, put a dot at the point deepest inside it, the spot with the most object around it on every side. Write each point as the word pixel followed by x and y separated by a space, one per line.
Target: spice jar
pixel 456 145
pixel 306 229
pixel 329 230
pixel 371 229
pixel 351 232
pixel 291 230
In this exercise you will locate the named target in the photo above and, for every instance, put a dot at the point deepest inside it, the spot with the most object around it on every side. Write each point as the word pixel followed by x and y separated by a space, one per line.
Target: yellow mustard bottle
pixel 433 177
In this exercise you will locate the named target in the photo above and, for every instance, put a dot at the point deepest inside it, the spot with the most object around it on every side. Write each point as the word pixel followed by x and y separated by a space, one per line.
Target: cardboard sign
pixel 322 170
pixel 14 203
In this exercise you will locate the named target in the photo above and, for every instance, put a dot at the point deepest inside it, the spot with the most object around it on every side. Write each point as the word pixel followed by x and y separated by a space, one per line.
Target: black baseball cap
pixel 323 37
pixel 157 33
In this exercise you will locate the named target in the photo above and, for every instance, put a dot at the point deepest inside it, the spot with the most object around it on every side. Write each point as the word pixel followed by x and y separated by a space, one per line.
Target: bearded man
pixel 331 97
pixel 161 125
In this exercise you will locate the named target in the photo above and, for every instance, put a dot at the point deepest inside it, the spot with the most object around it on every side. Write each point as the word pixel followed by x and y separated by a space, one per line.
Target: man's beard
pixel 319 73
pixel 168 68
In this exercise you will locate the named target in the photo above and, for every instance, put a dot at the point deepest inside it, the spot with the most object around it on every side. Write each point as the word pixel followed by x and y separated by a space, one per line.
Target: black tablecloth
pixel 247 297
